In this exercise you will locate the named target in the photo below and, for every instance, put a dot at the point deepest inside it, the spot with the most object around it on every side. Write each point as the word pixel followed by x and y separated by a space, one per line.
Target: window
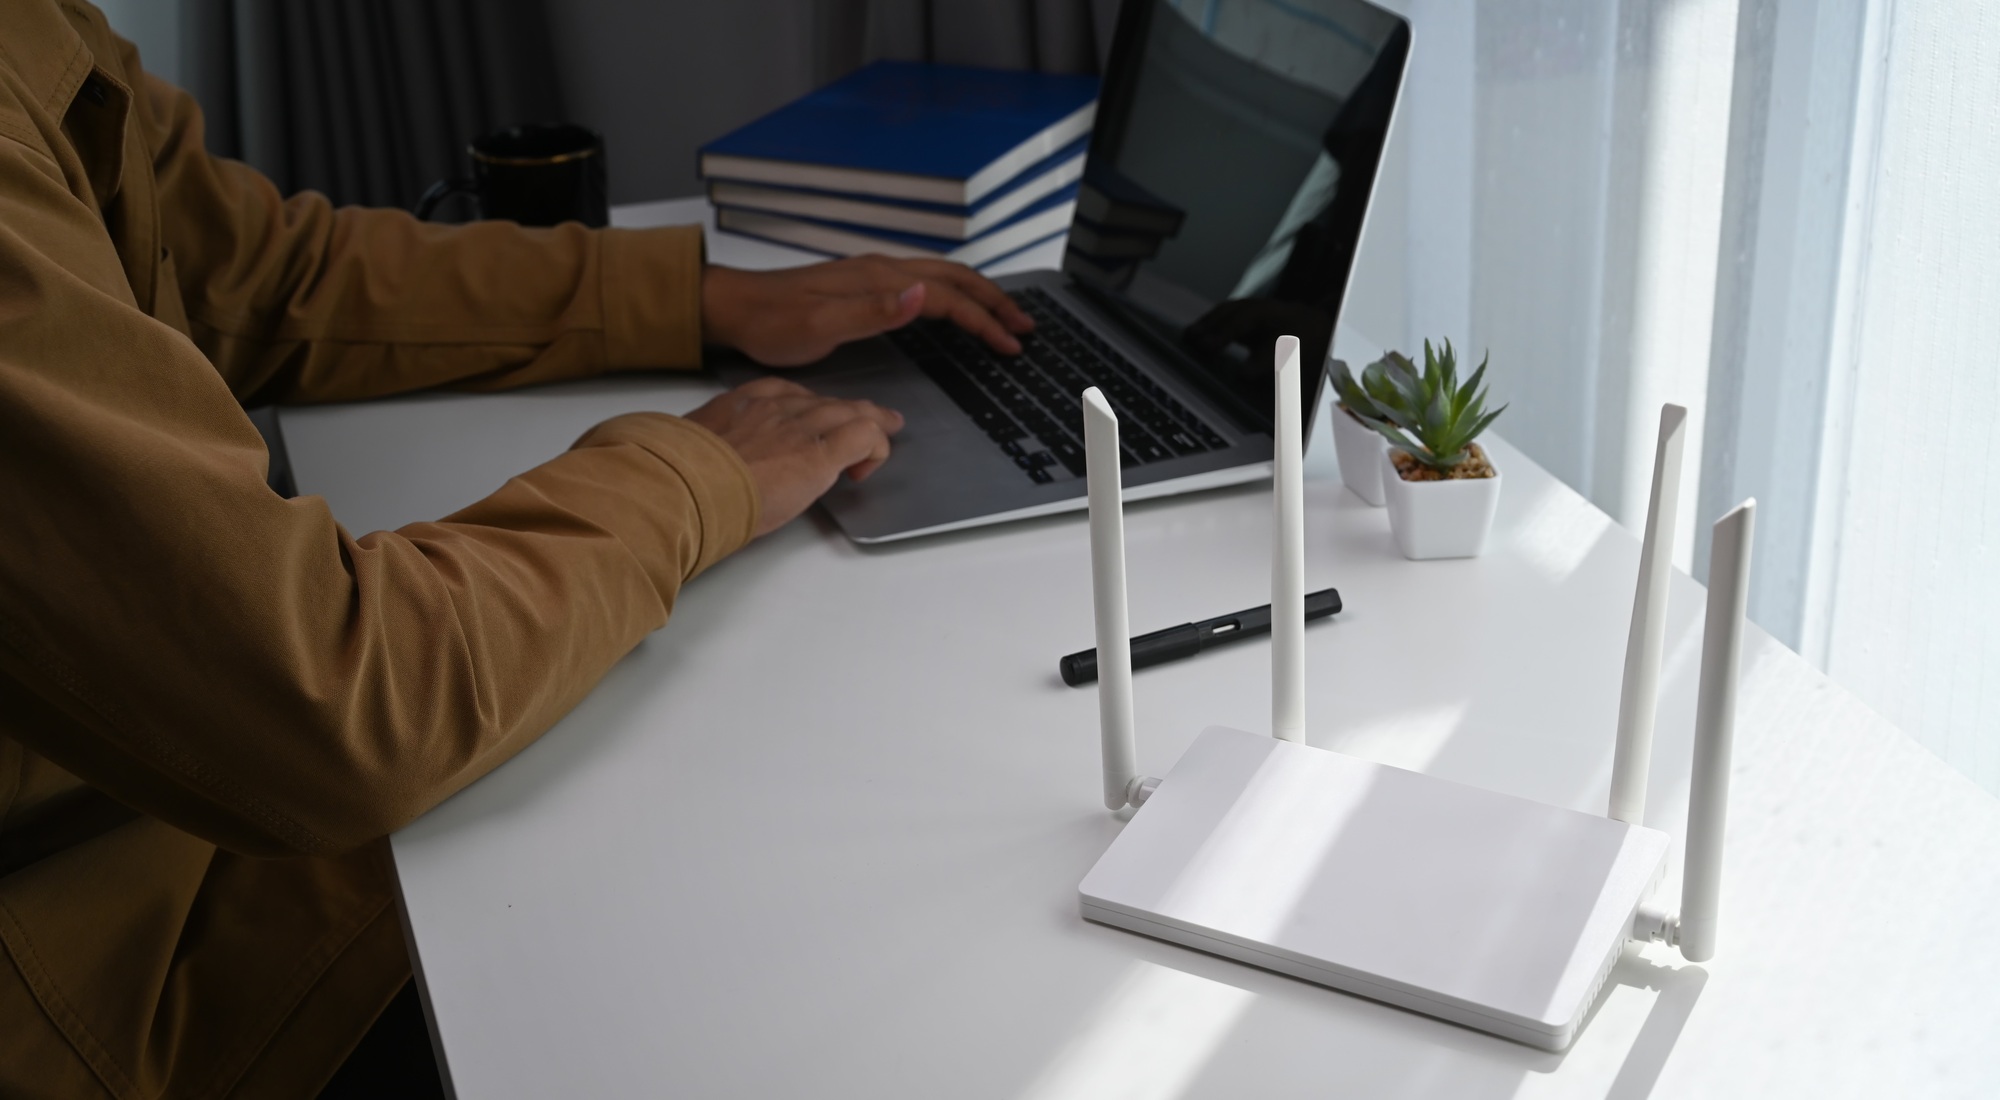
pixel 1780 215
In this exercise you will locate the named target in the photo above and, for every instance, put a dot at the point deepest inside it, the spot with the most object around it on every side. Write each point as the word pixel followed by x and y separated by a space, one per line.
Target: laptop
pixel 1221 207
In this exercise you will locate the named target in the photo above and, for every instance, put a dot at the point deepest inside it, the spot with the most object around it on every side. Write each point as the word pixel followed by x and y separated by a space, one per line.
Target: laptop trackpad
pixel 871 370
pixel 942 469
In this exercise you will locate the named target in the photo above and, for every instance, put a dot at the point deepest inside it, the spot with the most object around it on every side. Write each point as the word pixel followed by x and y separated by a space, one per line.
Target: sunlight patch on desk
pixel 1410 738
pixel 1147 1041
pixel 1557 533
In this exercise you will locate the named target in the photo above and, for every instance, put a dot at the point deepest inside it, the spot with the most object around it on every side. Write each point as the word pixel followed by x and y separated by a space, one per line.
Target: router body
pixel 1491 911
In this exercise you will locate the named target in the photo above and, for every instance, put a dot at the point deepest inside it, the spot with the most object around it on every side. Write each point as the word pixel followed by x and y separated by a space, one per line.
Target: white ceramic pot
pixel 1359 450
pixel 1439 519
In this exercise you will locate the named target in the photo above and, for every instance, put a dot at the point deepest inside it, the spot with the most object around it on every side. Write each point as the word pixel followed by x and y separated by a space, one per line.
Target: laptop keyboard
pixel 1029 404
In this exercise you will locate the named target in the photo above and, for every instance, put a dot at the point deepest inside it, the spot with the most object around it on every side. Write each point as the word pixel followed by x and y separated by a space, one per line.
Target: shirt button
pixel 93 90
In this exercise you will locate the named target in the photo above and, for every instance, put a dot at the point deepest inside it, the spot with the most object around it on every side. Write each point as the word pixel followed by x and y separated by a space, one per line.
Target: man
pixel 214 702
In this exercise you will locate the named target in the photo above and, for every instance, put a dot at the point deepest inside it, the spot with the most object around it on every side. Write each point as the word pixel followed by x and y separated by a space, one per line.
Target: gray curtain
pixel 1059 36
pixel 368 101
pixel 662 77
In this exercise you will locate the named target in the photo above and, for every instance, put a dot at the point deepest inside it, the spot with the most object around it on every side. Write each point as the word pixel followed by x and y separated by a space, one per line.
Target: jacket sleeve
pixel 295 300
pixel 237 664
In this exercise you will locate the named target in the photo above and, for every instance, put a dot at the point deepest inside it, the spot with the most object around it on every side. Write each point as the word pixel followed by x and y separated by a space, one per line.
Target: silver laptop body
pixel 1222 204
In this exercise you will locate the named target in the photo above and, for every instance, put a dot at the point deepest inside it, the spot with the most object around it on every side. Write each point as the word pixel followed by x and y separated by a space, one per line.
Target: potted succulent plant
pixel 1439 485
pixel 1356 444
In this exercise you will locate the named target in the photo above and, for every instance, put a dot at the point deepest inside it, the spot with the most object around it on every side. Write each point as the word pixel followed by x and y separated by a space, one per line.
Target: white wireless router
pixel 1491 911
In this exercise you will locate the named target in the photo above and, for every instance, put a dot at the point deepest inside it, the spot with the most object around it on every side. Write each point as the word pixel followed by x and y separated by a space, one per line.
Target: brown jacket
pixel 215 702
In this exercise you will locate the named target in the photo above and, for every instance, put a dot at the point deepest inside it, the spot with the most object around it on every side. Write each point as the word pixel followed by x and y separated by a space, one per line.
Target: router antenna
pixel 1107 589
pixel 1288 552
pixel 1715 730
pixel 1640 695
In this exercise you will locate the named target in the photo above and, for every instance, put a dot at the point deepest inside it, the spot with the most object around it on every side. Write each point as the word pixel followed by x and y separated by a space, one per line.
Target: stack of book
pixel 909 159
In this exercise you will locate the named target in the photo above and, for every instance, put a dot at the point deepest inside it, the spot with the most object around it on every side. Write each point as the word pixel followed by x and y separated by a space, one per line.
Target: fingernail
pixel 910 297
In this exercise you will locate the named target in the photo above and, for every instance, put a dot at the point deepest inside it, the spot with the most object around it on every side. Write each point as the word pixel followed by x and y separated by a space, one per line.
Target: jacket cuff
pixel 719 483
pixel 652 297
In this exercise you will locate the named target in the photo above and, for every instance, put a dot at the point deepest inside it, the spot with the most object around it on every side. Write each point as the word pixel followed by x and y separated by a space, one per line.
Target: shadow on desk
pixel 1679 987
pixel 1181 1023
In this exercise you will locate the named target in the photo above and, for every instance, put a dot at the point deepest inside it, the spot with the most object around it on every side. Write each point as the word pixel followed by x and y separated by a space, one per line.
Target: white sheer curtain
pixel 1780 214
pixel 1905 580
pixel 1554 194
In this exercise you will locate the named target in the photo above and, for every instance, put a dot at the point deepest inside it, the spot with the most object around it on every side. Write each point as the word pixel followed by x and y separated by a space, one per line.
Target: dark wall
pixel 660 78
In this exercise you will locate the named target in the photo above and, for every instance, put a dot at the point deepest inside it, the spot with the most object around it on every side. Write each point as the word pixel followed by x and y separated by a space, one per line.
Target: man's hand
pixel 796 442
pixel 795 316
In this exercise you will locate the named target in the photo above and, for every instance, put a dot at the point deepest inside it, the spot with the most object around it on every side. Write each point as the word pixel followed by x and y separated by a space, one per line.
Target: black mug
pixel 534 174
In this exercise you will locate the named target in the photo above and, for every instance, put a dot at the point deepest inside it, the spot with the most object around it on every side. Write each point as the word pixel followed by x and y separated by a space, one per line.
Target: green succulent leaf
pixel 1471 388
pixel 1403 442
pixel 1377 387
pixel 1380 388
pixel 1352 395
pixel 1436 415
pixel 1429 413
pixel 1406 389
pixel 1474 407
pixel 1480 425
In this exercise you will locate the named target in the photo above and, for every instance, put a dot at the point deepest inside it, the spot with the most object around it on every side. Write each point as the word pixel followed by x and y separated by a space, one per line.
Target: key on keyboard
pixel 1028 404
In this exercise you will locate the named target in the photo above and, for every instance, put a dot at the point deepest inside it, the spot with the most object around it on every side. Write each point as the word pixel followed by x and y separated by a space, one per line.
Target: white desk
pixel 821 836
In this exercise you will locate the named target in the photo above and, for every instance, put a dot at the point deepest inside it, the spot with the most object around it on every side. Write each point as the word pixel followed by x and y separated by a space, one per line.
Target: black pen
pixel 1188 639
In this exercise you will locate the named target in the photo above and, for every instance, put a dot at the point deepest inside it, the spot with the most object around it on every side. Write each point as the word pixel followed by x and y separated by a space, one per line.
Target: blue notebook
pixel 1045 219
pixel 908 130
pixel 930 219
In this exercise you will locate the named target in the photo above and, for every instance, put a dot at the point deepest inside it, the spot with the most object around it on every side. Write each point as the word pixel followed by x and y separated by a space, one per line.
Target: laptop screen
pixel 1235 149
